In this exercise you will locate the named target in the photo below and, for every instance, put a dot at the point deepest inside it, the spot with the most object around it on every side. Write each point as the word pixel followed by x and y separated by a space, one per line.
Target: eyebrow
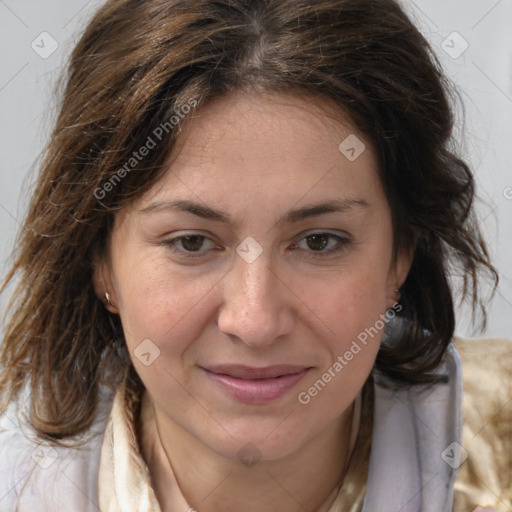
pixel 292 216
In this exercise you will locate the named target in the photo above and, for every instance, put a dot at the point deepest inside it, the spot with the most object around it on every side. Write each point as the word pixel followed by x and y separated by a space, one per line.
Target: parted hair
pixel 140 71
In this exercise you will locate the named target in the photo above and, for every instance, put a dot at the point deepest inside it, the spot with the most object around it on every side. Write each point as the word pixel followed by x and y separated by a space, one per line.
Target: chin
pixel 251 440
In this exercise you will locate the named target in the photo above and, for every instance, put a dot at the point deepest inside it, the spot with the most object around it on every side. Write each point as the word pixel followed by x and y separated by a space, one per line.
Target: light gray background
pixel 483 74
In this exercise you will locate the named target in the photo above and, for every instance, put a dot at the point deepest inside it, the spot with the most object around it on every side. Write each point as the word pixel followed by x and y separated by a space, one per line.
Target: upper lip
pixel 248 372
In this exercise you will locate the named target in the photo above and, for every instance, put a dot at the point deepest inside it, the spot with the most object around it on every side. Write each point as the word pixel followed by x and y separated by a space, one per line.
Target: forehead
pixel 255 143
pixel 258 118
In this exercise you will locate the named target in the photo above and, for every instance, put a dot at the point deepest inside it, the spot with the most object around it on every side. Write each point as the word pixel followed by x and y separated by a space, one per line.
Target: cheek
pixel 160 305
pixel 347 304
pixel 351 309
pixel 351 314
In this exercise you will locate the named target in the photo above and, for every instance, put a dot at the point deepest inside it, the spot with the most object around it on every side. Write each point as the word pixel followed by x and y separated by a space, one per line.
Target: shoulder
pixel 36 475
pixel 484 476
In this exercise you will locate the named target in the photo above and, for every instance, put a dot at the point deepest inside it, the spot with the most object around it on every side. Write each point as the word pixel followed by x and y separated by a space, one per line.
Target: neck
pixel 307 479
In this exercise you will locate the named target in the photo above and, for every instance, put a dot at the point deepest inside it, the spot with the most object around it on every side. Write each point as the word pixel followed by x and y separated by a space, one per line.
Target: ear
pixel 398 274
pixel 102 283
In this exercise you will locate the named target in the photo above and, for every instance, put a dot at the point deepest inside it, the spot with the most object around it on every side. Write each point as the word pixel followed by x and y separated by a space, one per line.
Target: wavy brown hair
pixel 134 70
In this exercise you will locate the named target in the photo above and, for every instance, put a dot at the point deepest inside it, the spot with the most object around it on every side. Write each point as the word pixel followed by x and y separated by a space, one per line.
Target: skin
pixel 255 158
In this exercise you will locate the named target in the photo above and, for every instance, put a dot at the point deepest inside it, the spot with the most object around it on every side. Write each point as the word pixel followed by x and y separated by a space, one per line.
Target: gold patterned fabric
pixel 484 478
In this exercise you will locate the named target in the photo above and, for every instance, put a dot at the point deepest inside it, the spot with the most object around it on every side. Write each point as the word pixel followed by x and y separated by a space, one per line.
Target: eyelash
pixel 343 243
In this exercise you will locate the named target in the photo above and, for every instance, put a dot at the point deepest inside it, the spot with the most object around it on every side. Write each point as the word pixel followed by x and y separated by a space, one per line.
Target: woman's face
pixel 253 279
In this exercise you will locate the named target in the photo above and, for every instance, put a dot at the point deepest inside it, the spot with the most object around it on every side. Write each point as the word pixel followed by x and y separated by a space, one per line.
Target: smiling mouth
pixel 252 385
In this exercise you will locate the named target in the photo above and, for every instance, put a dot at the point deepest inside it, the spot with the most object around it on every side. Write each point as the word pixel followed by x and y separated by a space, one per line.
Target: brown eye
pixel 192 243
pixel 190 246
pixel 319 245
pixel 318 242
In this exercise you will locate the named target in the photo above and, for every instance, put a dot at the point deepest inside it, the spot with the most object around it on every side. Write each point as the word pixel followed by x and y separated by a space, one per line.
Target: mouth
pixel 252 385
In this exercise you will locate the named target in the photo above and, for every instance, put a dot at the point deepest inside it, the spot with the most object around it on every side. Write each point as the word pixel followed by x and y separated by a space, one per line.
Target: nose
pixel 257 303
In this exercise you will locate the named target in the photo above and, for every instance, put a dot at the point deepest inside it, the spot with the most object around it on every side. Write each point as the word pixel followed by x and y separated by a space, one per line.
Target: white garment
pixel 408 471
pixel 411 433
pixel 35 477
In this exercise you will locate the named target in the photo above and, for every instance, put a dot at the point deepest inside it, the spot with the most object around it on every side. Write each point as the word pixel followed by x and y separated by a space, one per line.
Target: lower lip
pixel 260 391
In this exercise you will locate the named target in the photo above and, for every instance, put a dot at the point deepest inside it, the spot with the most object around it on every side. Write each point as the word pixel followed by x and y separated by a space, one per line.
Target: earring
pixel 107 297
pixel 397 291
